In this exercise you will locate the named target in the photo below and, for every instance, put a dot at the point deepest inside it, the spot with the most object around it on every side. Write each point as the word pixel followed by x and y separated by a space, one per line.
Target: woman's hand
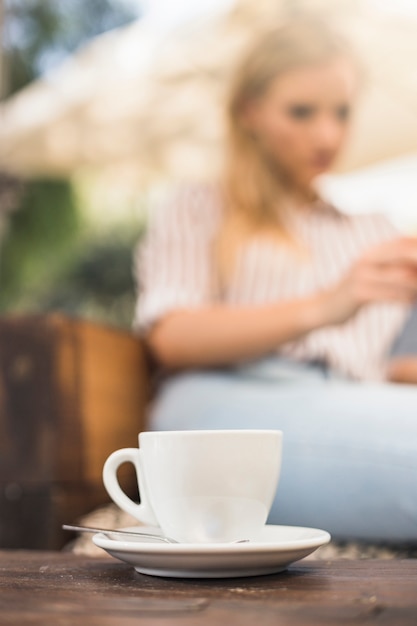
pixel 386 273
pixel 403 369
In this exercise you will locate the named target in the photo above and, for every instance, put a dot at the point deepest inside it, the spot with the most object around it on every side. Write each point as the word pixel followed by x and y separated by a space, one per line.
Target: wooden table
pixel 62 589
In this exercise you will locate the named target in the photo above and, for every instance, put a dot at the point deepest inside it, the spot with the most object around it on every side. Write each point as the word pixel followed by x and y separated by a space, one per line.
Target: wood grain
pixel 40 588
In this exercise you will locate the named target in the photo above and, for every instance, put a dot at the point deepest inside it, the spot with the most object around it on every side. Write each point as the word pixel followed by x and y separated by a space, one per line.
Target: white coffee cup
pixel 201 486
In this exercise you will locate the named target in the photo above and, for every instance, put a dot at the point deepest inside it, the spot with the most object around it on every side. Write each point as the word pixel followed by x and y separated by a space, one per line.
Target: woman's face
pixel 303 118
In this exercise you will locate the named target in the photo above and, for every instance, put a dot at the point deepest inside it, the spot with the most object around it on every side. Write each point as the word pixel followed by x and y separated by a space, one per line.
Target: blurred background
pixel 106 103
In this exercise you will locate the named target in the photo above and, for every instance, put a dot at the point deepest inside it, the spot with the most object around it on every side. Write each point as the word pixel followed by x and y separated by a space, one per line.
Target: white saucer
pixel 274 549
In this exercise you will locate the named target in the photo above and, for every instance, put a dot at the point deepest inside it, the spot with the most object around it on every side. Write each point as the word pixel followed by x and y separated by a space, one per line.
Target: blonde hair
pixel 254 193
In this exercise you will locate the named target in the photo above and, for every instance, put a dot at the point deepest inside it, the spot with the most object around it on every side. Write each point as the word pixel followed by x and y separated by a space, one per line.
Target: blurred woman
pixel 270 308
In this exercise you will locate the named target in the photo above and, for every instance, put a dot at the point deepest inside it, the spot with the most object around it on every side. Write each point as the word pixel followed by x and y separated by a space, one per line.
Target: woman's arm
pixel 221 335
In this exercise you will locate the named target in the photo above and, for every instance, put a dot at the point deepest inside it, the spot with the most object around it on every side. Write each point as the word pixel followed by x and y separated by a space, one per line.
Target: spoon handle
pixel 108 532
pixel 123 533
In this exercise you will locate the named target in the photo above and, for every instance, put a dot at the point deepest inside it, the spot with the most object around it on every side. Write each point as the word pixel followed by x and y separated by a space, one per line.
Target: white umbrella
pixel 149 104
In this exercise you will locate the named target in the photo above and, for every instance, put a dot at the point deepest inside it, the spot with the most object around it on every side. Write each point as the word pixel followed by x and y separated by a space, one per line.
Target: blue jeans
pixel 349 449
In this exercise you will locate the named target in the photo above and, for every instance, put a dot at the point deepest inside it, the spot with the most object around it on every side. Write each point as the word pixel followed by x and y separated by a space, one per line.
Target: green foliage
pixel 39 240
pixel 38 34
pixel 47 261
pixel 98 283
pixel 50 261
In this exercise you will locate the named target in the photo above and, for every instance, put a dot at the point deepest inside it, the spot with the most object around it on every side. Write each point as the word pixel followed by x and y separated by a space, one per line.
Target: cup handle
pixel 142 512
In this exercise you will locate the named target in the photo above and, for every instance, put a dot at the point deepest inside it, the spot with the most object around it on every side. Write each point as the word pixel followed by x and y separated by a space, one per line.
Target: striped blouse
pixel 175 270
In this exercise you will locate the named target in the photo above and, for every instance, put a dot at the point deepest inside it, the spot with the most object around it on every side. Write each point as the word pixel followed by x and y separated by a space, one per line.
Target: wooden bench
pixel 71 392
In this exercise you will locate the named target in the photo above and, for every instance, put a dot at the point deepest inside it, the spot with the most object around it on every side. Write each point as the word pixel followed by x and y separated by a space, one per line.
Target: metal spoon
pixel 109 533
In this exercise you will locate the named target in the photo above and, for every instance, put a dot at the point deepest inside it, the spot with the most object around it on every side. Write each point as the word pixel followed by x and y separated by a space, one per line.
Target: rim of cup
pixel 228 431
